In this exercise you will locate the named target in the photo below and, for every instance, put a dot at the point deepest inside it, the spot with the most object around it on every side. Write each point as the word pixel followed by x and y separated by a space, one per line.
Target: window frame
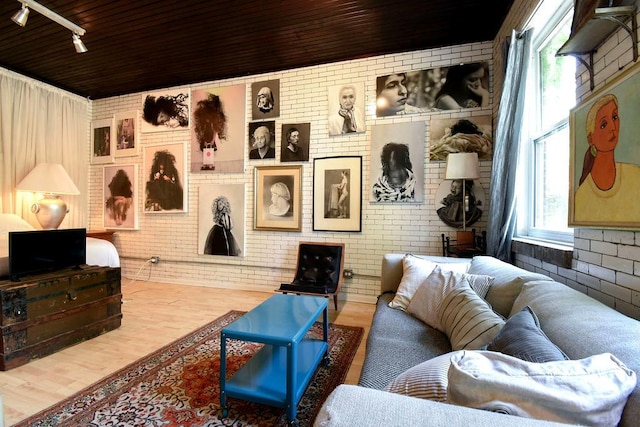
pixel 534 133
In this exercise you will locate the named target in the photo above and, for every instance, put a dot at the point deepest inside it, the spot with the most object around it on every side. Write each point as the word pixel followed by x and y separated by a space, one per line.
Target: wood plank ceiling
pixel 140 45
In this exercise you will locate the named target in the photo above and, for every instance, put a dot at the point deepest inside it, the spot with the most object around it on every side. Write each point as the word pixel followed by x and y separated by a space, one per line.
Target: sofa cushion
pixel 467 319
pixel 414 271
pixel 427 299
pixel 522 337
pixel 591 391
pixel 582 327
pixel 507 281
pixel 428 380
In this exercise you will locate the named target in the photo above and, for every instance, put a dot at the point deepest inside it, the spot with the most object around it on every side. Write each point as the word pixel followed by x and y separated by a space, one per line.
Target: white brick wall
pixel 606 263
pixel 271 256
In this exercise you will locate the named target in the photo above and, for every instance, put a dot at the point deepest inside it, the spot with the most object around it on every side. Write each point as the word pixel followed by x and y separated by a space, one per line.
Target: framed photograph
pixel 397 168
pixel 604 159
pixel 165 110
pixel 473 134
pixel 221 214
pixel 278 198
pixel 295 142
pixel 265 99
pixel 337 193
pixel 165 178
pixel 262 140
pixel 346 109
pixel 218 129
pixel 102 149
pixel 120 197
pixel 127 134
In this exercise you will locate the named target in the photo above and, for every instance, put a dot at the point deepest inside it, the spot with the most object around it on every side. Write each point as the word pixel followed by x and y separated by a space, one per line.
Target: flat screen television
pixel 41 251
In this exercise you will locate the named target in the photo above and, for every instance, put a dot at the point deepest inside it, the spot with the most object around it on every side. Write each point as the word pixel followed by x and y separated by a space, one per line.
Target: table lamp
pixel 51 179
pixel 463 166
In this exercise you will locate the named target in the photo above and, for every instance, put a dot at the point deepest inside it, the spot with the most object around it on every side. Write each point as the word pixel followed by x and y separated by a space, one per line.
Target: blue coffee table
pixel 278 374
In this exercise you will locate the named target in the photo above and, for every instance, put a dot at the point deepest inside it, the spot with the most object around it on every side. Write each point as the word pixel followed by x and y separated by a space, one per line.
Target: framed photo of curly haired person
pixel 165 178
pixel 120 197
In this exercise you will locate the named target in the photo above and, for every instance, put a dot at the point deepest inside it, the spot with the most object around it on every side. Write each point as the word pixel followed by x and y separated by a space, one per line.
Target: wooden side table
pixel 101 234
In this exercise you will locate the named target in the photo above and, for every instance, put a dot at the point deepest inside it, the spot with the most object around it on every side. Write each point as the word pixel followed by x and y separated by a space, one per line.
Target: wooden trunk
pixel 42 314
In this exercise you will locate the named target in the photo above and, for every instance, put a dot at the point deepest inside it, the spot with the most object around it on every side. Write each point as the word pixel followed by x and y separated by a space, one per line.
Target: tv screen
pixel 34 252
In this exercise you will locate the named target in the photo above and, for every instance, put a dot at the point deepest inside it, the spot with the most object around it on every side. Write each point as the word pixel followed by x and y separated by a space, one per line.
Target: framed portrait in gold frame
pixel 278 198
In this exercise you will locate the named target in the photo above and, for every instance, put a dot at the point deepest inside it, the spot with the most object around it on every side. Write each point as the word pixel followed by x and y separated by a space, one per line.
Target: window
pixel 545 150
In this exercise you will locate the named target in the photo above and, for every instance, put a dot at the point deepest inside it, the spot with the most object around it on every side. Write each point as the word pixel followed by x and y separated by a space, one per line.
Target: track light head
pixel 77 43
pixel 21 16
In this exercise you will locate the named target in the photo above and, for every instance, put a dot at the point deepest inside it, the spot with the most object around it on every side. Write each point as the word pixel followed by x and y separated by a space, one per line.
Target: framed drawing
pixel 604 159
pixel 473 134
pixel 221 214
pixel 120 197
pixel 278 198
pixel 397 171
pixel 165 178
pixel 165 110
pixel 127 134
pixel 101 136
pixel 337 193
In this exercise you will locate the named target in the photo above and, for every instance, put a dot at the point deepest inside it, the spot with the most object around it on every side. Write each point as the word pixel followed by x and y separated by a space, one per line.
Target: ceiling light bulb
pixel 77 43
pixel 20 17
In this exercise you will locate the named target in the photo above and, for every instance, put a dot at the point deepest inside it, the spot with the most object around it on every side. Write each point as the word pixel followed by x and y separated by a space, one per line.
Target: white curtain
pixel 502 210
pixel 40 123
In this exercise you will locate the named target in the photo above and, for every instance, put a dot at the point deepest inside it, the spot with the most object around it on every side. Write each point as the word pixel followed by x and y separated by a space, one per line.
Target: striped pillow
pixel 468 320
pixel 428 380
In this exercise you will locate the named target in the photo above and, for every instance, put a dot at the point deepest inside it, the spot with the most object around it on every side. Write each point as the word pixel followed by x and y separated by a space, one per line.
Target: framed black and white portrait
pixel 265 100
pixel 397 163
pixel 120 197
pixel 278 198
pixel 165 110
pixel 262 140
pixel 296 138
pixel 221 219
pixel 165 178
pixel 346 109
pixel 337 193
pixel 127 134
pixel 102 136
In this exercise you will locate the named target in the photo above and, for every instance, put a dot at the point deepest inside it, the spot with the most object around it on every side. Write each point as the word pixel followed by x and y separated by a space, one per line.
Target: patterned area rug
pixel 178 385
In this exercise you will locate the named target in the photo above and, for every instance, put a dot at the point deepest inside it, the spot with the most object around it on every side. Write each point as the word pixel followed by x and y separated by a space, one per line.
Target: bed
pixel 99 252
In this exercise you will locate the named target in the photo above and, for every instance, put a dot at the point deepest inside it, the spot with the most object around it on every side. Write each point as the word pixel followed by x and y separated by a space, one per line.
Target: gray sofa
pixel 575 322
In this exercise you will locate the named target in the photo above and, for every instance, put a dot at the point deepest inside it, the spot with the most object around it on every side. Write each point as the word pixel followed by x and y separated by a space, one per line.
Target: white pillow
pixel 432 290
pixel 591 391
pixel 468 320
pixel 11 222
pixel 428 380
pixel 414 271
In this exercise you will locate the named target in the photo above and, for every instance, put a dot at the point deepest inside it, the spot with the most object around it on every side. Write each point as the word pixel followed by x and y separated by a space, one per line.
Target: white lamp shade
pixel 462 166
pixel 48 178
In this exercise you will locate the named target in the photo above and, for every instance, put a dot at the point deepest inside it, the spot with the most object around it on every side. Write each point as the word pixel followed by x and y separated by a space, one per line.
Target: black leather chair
pixel 319 270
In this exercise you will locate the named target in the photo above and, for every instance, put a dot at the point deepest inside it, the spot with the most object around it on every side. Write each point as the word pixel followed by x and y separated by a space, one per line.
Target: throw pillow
pixel 414 271
pixel 432 291
pixel 522 337
pixel 590 392
pixel 468 320
pixel 428 380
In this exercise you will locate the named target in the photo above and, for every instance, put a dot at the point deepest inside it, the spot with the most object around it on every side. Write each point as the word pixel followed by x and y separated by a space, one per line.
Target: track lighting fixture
pixel 77 43
pixel 21 16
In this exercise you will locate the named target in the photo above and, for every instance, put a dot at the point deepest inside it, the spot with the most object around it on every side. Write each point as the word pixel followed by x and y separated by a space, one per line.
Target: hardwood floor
pixel 154 314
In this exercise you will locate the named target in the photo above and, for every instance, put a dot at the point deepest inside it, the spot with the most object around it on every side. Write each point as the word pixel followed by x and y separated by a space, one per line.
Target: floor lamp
pixel 51 179
pixel 463 166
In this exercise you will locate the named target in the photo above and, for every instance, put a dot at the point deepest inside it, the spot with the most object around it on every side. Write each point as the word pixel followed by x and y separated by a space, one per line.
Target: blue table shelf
pixel 279 373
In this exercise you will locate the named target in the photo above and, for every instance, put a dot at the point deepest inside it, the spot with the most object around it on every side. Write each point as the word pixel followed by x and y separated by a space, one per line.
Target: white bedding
pixel 99 252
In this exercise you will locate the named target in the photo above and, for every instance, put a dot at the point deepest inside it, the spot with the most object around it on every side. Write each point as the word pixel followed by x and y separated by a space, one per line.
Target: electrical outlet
pixel 347 273
pixel 154 259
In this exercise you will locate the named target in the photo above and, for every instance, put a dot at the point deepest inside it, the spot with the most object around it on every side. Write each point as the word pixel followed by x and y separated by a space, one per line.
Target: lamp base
pixel 50 211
